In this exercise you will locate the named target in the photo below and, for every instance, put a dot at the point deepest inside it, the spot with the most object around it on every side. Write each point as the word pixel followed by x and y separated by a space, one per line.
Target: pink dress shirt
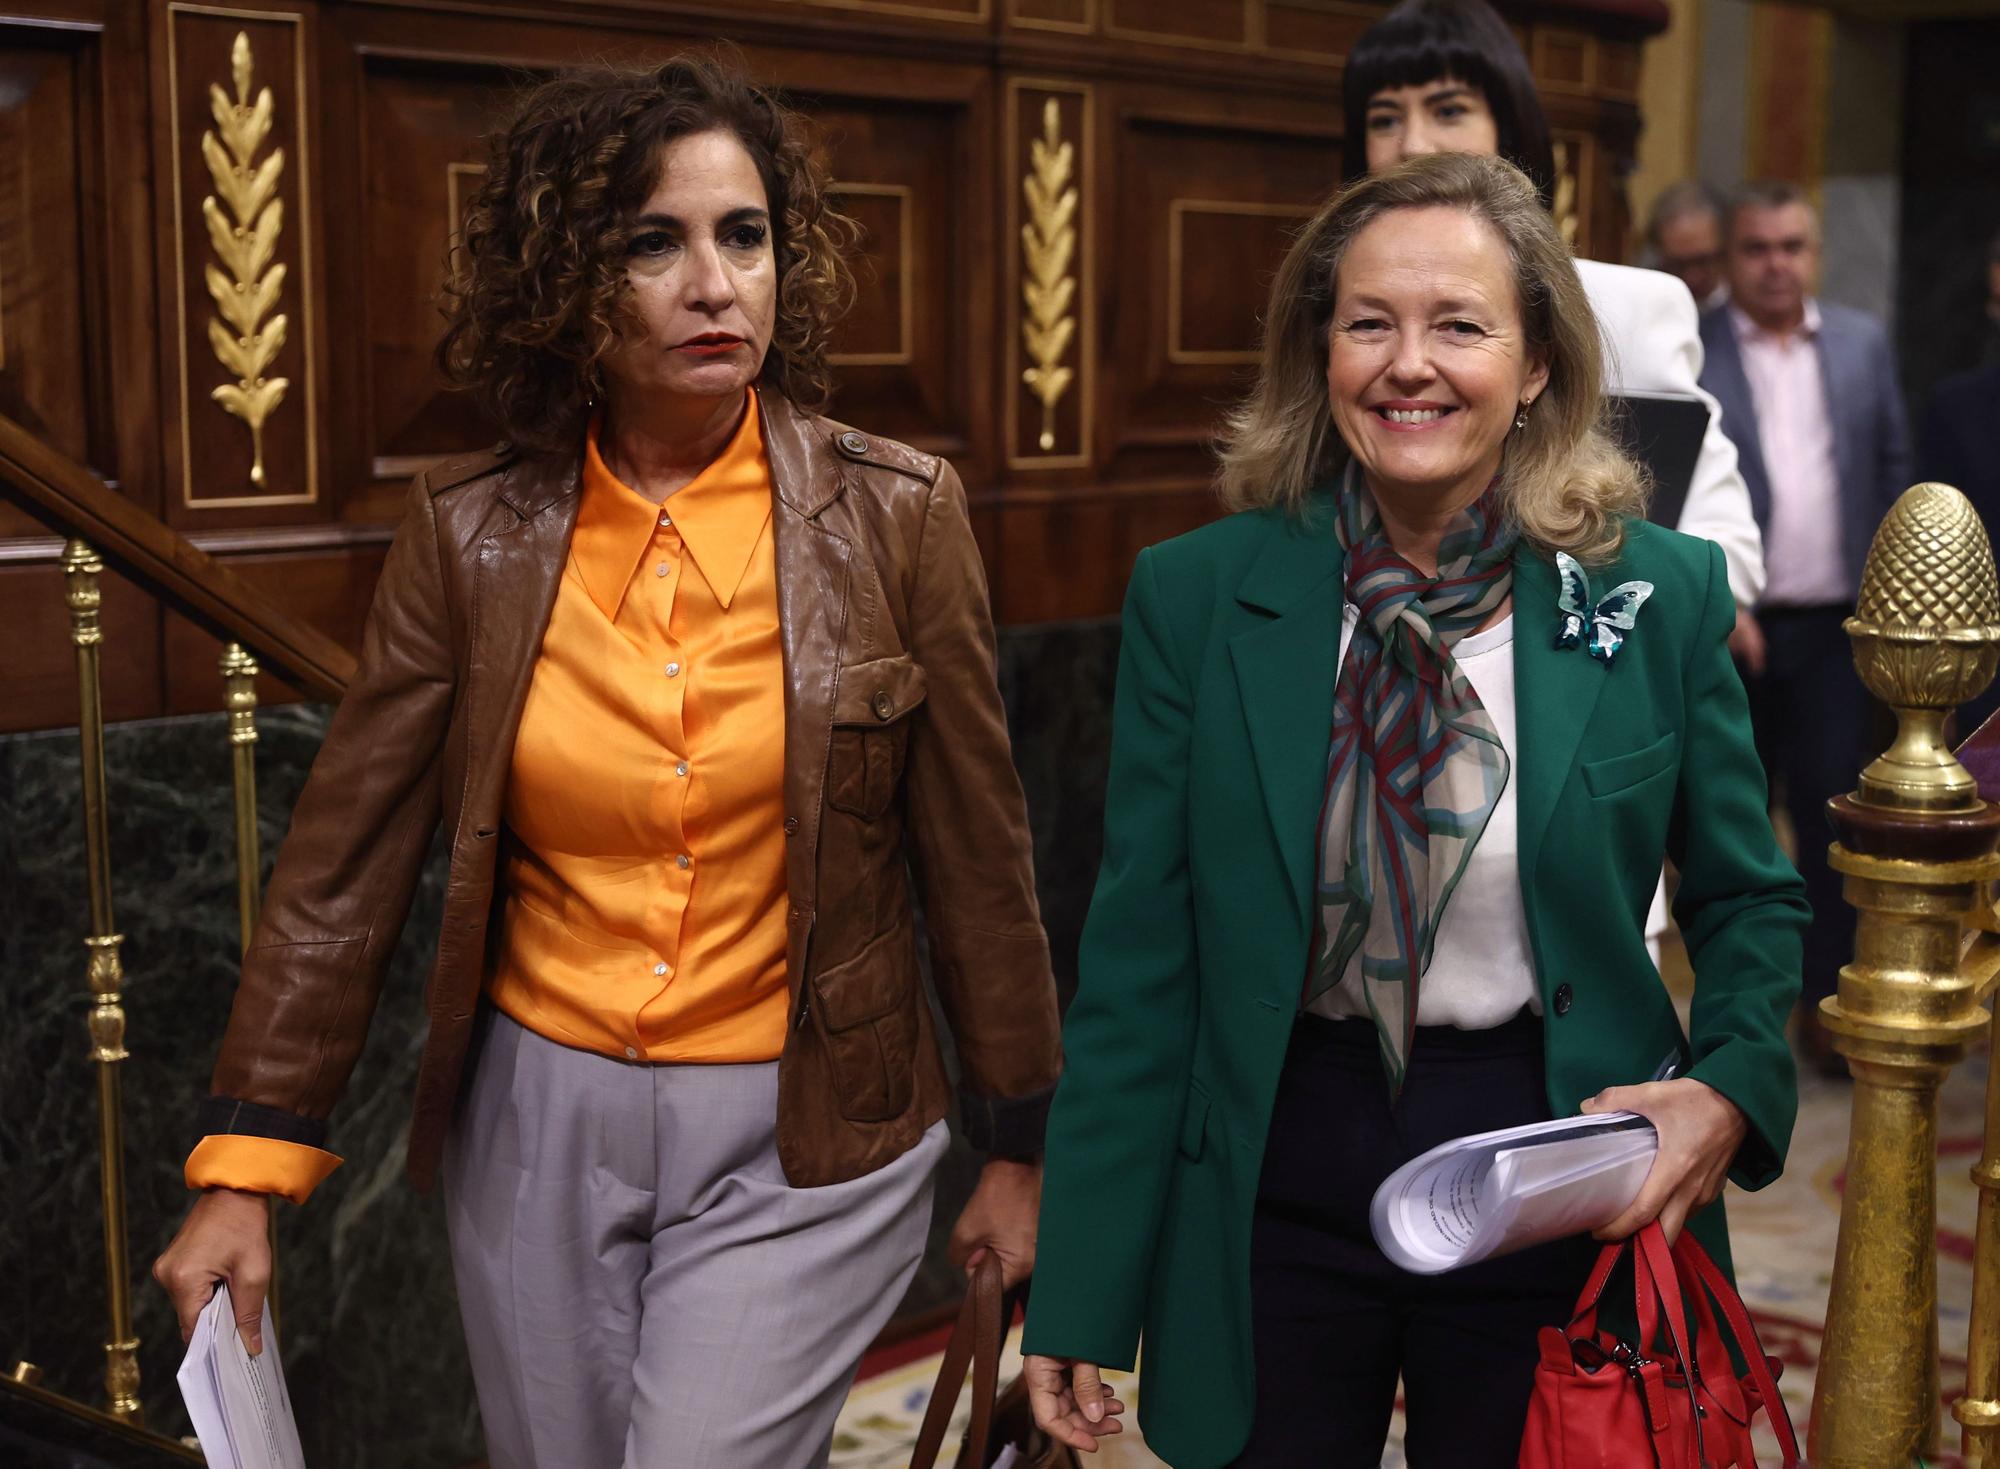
pixel 1804 559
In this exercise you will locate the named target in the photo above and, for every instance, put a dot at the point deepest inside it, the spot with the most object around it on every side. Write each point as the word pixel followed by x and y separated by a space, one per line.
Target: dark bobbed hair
pixel 1424 41
pixel 536 291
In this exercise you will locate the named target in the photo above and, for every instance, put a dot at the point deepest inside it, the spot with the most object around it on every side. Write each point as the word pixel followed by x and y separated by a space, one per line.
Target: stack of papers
pixel 1485 1195
pixel 238 1403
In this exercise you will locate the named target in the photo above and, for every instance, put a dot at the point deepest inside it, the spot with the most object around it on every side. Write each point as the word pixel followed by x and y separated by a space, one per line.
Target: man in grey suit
pixel 1808 392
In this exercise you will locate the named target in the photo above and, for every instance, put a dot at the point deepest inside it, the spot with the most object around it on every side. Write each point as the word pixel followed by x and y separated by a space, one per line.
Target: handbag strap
pixel 1708 1273
pixel 1653 1265
pixel 975 1339
pixel 1585 1314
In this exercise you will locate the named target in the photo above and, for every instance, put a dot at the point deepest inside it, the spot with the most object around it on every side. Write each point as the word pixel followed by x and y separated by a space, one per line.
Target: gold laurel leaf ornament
pixel 1048 245
pixel 244 218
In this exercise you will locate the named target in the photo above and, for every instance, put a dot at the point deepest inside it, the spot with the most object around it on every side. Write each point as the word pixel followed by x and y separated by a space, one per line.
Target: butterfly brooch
pixel 1600 623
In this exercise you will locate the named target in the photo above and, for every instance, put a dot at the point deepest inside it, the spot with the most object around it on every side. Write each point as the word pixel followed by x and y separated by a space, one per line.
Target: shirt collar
pixel 720 515
pixel 1748 330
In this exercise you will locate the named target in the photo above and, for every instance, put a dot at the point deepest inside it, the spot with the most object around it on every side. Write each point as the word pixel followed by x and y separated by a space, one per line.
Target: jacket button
pixel 853 443
pixel 1563 997
pixel 885 707
pixel 791 826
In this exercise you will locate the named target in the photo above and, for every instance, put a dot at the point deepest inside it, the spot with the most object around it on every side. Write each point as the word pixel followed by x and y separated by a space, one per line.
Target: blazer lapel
pixel 1726 379
pixel 1285 670
pixel 812 571
pixel 1555 693
pixel 519 570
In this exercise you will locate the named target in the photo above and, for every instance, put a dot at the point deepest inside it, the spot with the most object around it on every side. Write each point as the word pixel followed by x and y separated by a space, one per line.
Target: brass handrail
pixel 75 503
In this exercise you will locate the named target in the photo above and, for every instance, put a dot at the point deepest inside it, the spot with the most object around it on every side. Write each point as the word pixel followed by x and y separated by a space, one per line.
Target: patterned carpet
pixel 1784 1242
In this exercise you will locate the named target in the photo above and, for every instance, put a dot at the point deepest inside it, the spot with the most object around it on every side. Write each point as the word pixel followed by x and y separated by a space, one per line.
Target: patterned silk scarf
pixel 1416 766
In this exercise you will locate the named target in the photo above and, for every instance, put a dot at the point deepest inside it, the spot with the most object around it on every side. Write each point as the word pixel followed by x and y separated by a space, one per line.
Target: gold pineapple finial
pixel 1926 637
pixel 245 238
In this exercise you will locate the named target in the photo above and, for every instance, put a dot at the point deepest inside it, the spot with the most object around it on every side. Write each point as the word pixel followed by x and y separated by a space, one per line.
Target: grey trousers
pixel 640 1286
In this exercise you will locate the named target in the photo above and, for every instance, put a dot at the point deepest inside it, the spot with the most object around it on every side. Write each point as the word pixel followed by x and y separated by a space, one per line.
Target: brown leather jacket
pixel 896 757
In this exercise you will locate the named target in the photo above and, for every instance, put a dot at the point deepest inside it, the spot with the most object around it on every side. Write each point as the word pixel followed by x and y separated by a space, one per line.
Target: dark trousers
pixel 1810 715
pixel 1334 1322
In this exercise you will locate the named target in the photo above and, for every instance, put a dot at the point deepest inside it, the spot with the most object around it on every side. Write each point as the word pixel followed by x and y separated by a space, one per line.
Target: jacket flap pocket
pixel 867 986
pixel 1194 1121
pixel 1616 772
pixel 879 692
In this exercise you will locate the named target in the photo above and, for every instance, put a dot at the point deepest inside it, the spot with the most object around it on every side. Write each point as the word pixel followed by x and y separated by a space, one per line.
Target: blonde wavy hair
pixel 1563 482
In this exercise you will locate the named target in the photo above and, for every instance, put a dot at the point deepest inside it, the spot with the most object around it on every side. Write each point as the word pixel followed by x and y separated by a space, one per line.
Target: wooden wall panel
pixel 44 347
pixel 900 355
pixel 40 661
pixel 1224 22
pixel 1173 145
pixel 238 216
pixel 333 587
pixel 426 129
pixel 1208 208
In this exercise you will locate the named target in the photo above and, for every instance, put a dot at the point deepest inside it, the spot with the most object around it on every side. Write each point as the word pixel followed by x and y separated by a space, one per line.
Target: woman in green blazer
pixel 1397 753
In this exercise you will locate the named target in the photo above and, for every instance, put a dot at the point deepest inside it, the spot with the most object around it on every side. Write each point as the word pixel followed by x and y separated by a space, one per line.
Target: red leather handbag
pixel 1604 1403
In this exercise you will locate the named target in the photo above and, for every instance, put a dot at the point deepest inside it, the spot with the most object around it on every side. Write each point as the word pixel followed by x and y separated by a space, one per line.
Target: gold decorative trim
pixel 1086 26
pixel 1015 285
pixel 1048 250
pixel 454 196
pixel 1576 163
pixel 302 182
pixel 906 305
pixel 245 239
pixel 1177 212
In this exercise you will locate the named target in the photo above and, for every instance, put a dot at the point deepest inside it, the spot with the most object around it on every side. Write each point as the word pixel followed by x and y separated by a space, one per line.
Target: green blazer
pixel 1197 943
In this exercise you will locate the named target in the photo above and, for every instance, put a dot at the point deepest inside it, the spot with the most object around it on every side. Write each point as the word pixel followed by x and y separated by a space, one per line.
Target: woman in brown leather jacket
pixel 693 678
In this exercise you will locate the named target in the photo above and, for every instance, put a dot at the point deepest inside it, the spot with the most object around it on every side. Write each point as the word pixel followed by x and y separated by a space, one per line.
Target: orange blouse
pixel 643 869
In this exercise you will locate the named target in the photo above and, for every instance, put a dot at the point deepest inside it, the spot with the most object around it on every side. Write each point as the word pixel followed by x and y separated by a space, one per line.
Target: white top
pixel 1482 971
pixel 1795 432
pixel 1652 344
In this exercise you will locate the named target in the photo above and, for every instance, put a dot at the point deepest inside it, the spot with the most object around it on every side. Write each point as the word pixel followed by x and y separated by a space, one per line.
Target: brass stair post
pixel 239 687
pixel 81 568
pixel 1978 1411
pixel 1916 846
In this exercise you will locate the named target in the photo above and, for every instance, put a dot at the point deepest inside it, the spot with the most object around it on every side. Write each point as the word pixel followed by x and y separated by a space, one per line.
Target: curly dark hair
pixel 536 289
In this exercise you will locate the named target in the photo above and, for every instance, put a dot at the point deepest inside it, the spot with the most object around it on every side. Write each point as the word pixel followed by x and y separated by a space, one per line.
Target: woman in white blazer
pixel 1447 76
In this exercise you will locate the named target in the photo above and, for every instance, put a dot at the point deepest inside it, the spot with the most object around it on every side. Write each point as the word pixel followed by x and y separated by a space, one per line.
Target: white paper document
pixel 1484 1195
pixel 238 1403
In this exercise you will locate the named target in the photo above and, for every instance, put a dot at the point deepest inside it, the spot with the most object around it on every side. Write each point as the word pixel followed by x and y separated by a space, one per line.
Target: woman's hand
pixel 1000 1216
pixel 1071 1402
pixel 1700 1131
pixel 226 1236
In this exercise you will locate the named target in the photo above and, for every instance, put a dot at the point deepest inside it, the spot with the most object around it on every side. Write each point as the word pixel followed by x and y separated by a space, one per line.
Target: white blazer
pixel 1652 344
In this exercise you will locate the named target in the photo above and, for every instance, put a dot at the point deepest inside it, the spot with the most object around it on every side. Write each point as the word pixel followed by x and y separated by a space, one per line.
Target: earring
pixel 1521 418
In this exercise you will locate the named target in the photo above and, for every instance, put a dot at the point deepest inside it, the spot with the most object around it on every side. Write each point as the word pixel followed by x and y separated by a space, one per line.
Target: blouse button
pixel 631 1053
pixel 681 769
pixel 1563 997
pixel 682 862
pixel 673 670
pixel 663 570
pixel 659 969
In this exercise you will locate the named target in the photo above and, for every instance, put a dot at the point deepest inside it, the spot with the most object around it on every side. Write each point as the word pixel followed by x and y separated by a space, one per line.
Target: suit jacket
pixel 1199 933
pixel 1871 439
pixel 1961 439
pixel 895 747
pixel 1652 345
